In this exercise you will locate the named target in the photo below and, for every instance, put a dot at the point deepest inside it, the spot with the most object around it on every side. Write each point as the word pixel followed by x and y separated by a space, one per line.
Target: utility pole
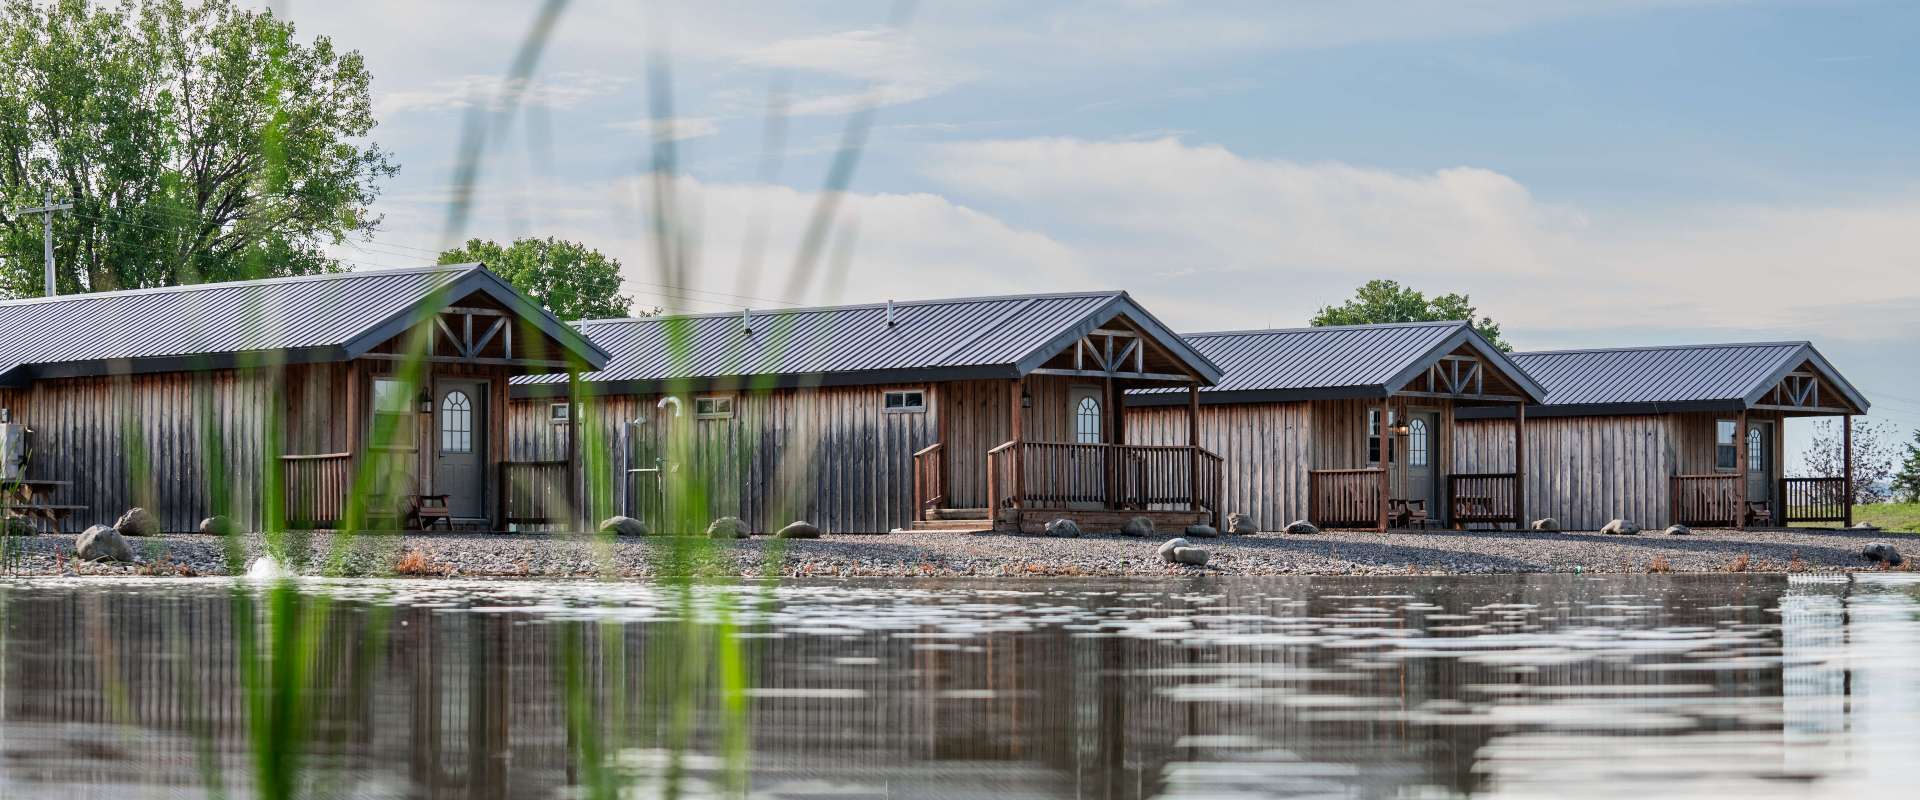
pixel 46 231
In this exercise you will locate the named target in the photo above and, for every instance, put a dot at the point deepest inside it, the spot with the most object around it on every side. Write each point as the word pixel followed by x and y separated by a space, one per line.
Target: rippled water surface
pixel 1541 686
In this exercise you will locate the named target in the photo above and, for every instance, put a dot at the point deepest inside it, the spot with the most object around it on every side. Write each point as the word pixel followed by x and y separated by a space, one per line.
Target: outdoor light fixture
pixel 1401 429
pixel 426 402
pixel 1026 400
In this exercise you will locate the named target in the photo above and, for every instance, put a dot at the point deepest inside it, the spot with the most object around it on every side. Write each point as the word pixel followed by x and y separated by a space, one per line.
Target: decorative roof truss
pixel 1111 353
pixel 1455 377
pixel 1803 391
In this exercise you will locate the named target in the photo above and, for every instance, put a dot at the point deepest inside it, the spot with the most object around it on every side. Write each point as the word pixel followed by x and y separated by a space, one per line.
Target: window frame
pixel 406 426
pixel 1373 437
pixel 918 407
pixel 560 413
pixel 1756 457
pixel 1726 448
pixel 464 415
pixel 1418 447
pixel 722 406
pixel 1098 433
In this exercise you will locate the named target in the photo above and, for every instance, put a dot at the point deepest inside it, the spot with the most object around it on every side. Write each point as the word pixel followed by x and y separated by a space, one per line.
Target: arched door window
pixel 1417 442
pixel 1756 460
pixel 456 423
pixel 1086 421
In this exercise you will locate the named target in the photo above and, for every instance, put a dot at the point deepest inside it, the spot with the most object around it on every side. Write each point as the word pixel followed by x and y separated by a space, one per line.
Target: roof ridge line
pixel 1643 348
pixel 192 287
pixel 932 301
pixel 1311 328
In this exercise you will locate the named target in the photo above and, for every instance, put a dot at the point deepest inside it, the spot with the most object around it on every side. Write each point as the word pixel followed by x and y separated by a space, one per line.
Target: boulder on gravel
pixel 1620 527
pixel 1166 550
pixel 101 543
pixel 1302 526
pixel 1191 556
pixel 1882 553
pixel 1240 524
pixel 1138 526
pixel 727 528
pixel 217 525
pixel 1202 531
pixel 623 526
pixel 1548 524
pixel 1679 530
pixel 267 568
pixel 18 526
pixel 137 522
pixel 799 530
pixel 1865 526
pixel 1064 528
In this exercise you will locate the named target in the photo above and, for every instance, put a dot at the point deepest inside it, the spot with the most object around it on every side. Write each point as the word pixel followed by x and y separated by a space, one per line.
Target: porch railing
pixel 1345 498
pixel 929 479
pixel 1110 476
pixel 314 489
pixel 1813 500
pixel 1485 497
pixel 533 492
pixel 1706 499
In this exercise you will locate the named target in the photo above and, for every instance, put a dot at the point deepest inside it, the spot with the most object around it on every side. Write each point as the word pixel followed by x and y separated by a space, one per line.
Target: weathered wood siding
pixel 980 418
pixel 831 456
pixel 1266 450
pixel 1581 471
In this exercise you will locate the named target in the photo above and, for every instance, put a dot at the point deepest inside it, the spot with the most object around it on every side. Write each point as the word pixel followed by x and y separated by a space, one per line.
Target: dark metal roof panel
pixel 1690 373
pixel 929 334
pixel 1318 358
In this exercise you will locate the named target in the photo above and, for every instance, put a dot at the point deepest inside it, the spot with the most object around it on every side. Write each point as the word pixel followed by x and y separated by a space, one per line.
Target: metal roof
pixel 1286 364
pixel 306 318
pixel 1673 378
pixel 946 339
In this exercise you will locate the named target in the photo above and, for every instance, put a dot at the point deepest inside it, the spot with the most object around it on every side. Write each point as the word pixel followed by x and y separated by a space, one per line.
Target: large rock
pixel 217 525
pixel 101 543
pixel 1548 524
pixel 1191 556
pixel 1166 550
pixel 1240 524
pixel 1865 526
pixel 137 522
pixel 1202 531
pixel 1302 527
pixel 18 526
pixel 799 530
pixel 1679 530
pixel 623 526
pixel 1064 528
pixel 1138 526
pixel 727 528
pixel 1620 527
pixel 1882 553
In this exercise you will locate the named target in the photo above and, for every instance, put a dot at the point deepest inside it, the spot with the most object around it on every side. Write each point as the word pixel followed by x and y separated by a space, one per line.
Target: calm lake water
pixel 1524 686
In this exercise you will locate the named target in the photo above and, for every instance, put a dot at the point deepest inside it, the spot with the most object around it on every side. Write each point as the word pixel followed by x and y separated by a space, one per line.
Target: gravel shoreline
pixel 944 554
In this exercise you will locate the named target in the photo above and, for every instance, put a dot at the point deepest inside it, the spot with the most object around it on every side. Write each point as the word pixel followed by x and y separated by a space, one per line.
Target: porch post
pixel 1520 466
pixel 1109 460
pixel 578 512
pixel 1193 446
pixel 1386 461
pixel 350 519
pixel 1846 468
pixel 1019 457
pixel 1740 469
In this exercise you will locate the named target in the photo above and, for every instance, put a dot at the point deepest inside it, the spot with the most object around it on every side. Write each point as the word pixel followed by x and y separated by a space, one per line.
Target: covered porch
pixel 1744 482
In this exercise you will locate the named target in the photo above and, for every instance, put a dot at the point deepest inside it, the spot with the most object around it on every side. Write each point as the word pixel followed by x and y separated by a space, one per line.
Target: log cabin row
pixel 962 414
pixel 267 401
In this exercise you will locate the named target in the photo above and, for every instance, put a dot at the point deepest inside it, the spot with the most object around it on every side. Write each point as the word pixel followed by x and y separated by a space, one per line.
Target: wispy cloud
pixel 894 65
pixel 670 129
pixel 562 90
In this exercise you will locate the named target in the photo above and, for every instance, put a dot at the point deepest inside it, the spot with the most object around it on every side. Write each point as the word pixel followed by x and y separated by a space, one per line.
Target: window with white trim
pixel 1086 421
pixel 1756 460
pixel 905 401
pixel 713 407
pixel 559 413
pixel 456 423
pixel 1417 442
pixel 392 414
pixel 1726 455
pixel 1373 436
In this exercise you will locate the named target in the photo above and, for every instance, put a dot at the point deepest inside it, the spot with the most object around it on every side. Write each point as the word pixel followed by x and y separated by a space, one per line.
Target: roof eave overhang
pixel 766 382
pixel 1807 354
pixel 1204 370
pixel 480 279
pixel 1466 335
pixel 1241 396
pixel 26 374
pixel 1602 409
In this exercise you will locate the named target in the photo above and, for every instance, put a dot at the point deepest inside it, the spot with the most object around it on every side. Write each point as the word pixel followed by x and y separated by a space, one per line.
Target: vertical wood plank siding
pixel 832 456
pixel 1584 471
pixel 1266 448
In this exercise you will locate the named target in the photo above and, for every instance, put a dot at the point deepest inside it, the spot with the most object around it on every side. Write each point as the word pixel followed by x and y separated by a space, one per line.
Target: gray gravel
pixel 950 554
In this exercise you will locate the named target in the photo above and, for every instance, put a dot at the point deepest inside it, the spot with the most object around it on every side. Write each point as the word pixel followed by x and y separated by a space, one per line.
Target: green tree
pixel 568 278
pixel 1906 483
pixel 197 140
pixel 1387 301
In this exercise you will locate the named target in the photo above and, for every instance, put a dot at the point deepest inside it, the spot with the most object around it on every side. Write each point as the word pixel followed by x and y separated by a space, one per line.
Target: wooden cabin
pixel 1350 426
pixel 1659 435
pixel 870 418
pixel 267 400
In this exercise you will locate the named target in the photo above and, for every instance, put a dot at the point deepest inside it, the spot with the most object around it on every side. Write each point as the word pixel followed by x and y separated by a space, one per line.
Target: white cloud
pixel 672 128
pixel 893 63
pixel 561 90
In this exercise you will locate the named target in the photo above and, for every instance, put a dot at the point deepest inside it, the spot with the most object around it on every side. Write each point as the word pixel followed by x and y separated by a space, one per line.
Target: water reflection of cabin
pixel 1297 418
pixel 867 418
pixel 197 400
pixel 1689 434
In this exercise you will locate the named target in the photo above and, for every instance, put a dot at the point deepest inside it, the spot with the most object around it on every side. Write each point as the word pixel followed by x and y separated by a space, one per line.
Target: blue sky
pixel 1592 173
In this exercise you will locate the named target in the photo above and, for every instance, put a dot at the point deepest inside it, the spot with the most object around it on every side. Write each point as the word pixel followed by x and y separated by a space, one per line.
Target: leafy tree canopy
pixel 197 140
pixel 1906 483
pixel 1382 301
pixel 568 278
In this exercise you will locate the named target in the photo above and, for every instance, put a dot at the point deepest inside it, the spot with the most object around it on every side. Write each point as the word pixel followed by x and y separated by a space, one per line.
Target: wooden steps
pixel 958 520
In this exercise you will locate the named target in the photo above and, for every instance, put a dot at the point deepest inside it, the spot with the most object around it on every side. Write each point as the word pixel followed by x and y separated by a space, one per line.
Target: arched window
pixel 1086 421
pixel 1417 442
pixel 1756 461
pixel 456 423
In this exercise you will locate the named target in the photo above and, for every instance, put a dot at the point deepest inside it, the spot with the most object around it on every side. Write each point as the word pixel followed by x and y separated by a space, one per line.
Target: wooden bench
pixel 430 510
pixel 1408 513
pixel 53 513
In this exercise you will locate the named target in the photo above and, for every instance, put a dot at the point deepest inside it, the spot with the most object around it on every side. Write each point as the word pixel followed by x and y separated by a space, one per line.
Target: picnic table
pixel 33 497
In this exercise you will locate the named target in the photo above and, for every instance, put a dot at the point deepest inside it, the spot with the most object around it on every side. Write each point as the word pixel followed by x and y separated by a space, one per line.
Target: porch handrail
pixel 1483 497
pixel 534 492
pixel 1345 498
pixel 313 488
pixel 929 479
pixel 1705 499
pixel 1114 476
pixel 1813 500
